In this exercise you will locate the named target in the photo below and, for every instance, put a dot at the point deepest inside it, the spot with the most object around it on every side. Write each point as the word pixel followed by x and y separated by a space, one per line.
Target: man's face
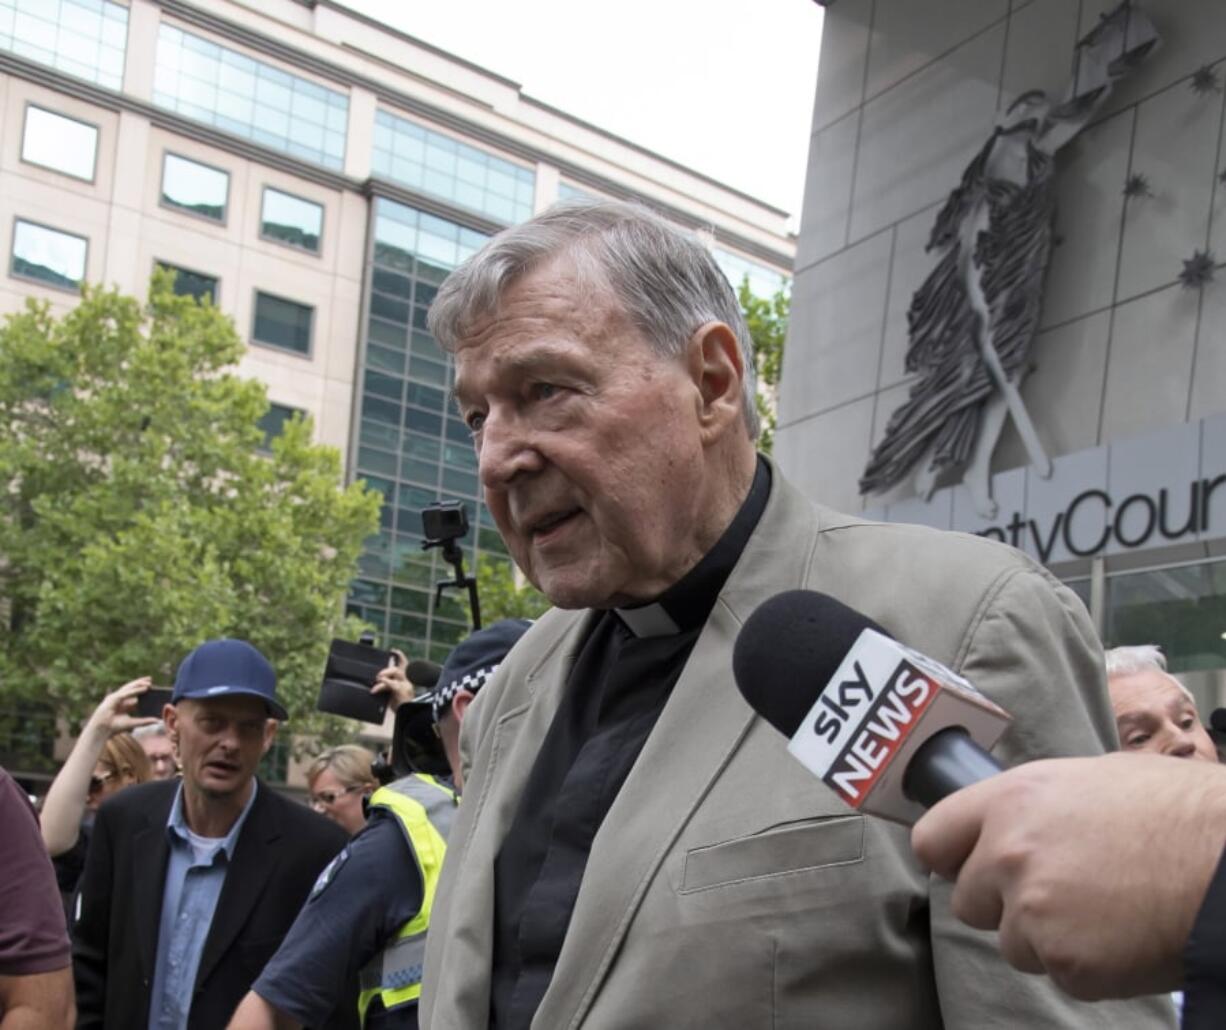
pixel 1153 714
pixel 221 741
pixel 589 443
pixel 161 755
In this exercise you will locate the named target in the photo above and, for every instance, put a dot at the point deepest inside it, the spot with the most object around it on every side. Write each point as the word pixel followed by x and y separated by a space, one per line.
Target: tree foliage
pixel 767 319
pixel 502 597
pixel 140 514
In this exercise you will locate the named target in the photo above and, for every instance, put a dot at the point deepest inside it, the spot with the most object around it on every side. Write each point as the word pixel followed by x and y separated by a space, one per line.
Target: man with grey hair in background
pixel 1153 710
pixel 636 847
pixel 154 740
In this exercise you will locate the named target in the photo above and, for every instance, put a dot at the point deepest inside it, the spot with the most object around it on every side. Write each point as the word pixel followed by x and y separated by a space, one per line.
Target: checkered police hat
pixel 474 660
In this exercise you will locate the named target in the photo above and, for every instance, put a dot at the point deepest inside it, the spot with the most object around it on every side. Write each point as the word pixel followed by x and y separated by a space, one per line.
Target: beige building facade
pixel 317 174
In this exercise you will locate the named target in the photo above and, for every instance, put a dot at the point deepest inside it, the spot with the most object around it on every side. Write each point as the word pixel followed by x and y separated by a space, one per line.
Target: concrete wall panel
pixel 918 136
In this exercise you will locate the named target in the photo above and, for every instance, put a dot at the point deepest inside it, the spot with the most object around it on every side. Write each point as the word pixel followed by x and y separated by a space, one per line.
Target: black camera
pixel 416 747
pixel 349 676
pixel 444 521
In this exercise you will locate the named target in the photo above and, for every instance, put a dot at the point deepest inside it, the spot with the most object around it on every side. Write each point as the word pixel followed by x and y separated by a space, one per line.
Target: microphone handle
pixel 945 762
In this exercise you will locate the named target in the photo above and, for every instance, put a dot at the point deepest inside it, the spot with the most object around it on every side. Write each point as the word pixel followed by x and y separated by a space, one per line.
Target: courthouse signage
pixel 1159 490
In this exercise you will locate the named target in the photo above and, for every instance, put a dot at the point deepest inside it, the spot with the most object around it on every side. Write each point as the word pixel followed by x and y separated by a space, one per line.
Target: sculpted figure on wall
pixel 971 323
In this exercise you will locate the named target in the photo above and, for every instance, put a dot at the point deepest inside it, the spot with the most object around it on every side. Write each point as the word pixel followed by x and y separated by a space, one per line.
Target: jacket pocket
pixel 776 851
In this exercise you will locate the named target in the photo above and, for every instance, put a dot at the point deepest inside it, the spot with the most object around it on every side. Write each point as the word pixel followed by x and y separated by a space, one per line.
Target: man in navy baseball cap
pixel 190 885
pixel 220 668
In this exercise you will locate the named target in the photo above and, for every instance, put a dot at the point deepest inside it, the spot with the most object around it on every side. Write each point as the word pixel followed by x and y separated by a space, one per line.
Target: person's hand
pixel 393 681
pixel 1092 868
pixel 112 714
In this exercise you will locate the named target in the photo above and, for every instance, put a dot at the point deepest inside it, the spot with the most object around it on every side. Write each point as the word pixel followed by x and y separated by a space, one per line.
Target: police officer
pixel 367 916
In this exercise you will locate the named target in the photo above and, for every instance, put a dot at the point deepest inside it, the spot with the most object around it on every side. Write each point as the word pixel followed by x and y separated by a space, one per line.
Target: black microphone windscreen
pixel 789 649
pixel 422 673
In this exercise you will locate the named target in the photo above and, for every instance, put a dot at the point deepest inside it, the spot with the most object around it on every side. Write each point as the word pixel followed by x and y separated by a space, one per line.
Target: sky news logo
pixel 881 733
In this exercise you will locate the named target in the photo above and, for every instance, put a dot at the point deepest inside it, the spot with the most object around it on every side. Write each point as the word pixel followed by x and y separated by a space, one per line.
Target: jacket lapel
pixel 150 853
pixel 491 797
pixel 253 864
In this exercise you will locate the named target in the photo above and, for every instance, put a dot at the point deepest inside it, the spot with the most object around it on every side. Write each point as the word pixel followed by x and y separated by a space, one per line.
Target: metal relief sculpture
pixel 972 321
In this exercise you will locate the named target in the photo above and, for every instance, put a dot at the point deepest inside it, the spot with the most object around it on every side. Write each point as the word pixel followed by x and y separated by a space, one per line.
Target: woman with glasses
pixel 103 761
pixel 339 780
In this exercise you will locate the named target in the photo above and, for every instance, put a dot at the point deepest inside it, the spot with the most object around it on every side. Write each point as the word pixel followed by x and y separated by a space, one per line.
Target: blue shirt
pixel 195 875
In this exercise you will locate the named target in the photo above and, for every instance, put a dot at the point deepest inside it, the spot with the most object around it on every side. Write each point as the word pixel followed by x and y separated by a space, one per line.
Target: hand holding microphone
pixel 1093 869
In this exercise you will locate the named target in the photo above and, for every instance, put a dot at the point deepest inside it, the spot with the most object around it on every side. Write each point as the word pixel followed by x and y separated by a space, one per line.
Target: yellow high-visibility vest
pixel 425 810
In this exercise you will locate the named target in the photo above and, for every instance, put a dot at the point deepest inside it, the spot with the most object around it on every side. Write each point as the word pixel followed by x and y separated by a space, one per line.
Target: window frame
pixel 323 213
pixel 224 221
pixel 265 447
pixel 14 274
pixel 25 124
pixel 309 353
pixel 174 266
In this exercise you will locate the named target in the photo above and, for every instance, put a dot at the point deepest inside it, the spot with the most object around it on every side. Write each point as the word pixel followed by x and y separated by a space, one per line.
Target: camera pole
pixel 453 554
pixel 443 523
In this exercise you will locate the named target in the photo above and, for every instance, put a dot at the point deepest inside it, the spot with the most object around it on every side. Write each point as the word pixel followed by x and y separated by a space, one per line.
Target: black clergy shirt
pixel 620 683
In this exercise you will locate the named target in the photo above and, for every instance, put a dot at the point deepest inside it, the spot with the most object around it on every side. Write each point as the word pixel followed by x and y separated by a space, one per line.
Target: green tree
pixel 767 319
pixel 503 598
pixel 141 514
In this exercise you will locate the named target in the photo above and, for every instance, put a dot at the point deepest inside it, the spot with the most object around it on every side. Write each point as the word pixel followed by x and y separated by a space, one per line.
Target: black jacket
pixel 281 850
pixel 1204 960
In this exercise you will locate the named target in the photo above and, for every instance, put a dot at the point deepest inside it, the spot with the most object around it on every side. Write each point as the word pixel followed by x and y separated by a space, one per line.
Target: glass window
pixel 568 192
pixel 195 188
pixel 291 220
pixel 273 422
pixel 58 142
pixel 193 284
pixel 210 83
pixel 765 282
pixel 48 255
pixel 434 163
pixel 85 38
pixel 1182 608
pixel 282 323
pixel 406 416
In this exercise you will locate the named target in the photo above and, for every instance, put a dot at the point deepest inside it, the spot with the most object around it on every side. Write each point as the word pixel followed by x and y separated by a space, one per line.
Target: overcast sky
pixel 723 86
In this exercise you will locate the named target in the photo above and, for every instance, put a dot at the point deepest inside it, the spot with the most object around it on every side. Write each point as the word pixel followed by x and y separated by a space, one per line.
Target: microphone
pixel 422 673
pixel 886 728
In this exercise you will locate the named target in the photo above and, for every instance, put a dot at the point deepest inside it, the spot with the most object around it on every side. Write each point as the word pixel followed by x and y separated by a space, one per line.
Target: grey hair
pixel 1127 661
pixel 153 729
pixel 665 280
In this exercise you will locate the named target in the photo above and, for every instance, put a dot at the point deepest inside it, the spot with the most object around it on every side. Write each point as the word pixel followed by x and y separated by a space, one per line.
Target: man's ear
pixel 170 716
pixel 270 733
pixel 459 704
pixel 715 365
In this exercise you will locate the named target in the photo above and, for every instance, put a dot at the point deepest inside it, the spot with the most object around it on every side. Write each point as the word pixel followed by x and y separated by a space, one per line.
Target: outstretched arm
pixel 65 802
pixel 254 1013
pixel 1092 868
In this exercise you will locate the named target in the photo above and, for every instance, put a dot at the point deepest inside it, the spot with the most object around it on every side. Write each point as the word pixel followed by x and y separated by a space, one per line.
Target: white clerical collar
pixel 648 620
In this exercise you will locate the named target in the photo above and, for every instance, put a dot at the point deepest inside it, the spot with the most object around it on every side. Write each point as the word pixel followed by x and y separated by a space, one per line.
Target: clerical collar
pixel 687 603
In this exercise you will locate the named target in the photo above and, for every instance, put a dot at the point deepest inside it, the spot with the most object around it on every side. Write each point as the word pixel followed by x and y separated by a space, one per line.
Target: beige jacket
pixel 728 888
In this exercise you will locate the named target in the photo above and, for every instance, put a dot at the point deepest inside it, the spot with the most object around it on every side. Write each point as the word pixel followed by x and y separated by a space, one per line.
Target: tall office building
pixel 317 174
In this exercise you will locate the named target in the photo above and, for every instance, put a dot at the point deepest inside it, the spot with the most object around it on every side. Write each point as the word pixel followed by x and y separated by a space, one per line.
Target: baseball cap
pixel 223 668
pixel 472 662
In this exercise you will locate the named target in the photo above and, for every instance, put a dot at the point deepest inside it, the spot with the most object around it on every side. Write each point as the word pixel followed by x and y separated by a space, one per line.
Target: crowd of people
pixel 624 843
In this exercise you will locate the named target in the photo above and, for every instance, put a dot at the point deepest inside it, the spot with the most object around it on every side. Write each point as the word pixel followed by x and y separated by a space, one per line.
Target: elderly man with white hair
pixel 1153 710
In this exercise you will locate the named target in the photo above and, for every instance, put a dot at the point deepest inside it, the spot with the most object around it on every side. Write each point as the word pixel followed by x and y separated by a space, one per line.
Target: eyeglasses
pixel 328 798
pixel 98 780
